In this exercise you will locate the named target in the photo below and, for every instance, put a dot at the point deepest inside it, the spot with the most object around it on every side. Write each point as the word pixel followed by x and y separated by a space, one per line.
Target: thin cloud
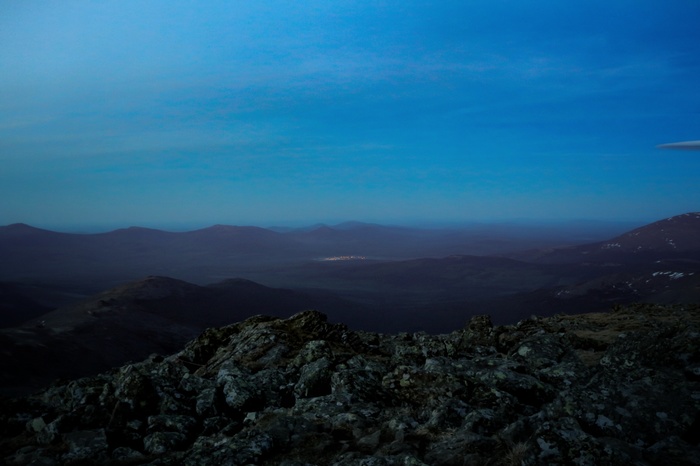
pixel 685 145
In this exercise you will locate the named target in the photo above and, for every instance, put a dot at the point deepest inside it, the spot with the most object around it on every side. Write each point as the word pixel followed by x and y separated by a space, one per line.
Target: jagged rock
pixel 86 444
pixel 204 393
pixel 50 433
pixel 239 392
pixel 127 455
pixel 315 379
pixel 312 351
pixel 359 380
pixel 479 332
pixel 172 423
pixel 161 442
pixel 459 448
pixel 618 388
pixel 134 388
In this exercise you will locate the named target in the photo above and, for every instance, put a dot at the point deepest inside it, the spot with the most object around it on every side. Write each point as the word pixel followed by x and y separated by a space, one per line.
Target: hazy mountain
pixel 676 237
pixel 86 263
pixel 676 234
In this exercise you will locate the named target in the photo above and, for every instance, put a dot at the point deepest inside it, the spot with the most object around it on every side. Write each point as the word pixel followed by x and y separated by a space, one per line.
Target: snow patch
pixel 671 275
pixel 611 245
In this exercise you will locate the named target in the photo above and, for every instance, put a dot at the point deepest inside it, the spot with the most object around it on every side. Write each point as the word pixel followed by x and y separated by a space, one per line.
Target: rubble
pixel 618 388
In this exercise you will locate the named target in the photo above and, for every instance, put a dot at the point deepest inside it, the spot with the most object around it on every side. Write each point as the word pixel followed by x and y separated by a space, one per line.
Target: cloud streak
pixel 685 145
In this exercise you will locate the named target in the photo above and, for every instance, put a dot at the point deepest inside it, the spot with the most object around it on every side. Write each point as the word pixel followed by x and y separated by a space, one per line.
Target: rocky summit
pixel 617 388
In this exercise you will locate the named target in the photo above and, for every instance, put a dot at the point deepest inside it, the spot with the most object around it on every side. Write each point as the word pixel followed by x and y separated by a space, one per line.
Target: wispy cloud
pixel 685 145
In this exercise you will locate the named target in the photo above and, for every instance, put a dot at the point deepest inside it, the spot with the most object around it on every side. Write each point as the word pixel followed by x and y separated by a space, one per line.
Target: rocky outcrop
pixel 619 388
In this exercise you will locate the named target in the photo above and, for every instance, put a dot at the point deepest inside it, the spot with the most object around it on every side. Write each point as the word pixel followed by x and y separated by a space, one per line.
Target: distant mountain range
pixel 48 322
pixel 405 268
pixel 92 262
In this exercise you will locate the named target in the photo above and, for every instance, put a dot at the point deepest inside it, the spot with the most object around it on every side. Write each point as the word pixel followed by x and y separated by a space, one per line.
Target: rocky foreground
pixel 618 388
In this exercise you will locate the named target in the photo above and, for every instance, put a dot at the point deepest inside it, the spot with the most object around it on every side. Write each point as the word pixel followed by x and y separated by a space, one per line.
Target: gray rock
pixel 301 391
pixel 314 379
pixel 312 351
pixel 186 425
pixel 86 444
pixel 162 442
pixel 240 393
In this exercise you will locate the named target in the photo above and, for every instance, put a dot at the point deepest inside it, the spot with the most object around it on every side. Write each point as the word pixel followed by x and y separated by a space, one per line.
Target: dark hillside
pixel 16 306
pixel 154 315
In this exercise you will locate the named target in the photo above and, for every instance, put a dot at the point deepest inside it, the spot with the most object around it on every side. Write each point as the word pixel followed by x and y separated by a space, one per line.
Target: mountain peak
pixel 164 285
pixel 678 233
pixel 22 228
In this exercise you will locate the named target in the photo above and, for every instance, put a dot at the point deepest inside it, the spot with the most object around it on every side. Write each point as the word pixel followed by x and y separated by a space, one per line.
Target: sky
pixel 166 113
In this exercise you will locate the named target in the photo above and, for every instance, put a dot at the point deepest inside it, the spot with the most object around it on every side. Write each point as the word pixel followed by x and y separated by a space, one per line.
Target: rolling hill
pixel 129 322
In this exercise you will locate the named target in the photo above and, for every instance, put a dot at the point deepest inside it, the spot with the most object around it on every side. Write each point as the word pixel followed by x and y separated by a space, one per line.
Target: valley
pixel 103 299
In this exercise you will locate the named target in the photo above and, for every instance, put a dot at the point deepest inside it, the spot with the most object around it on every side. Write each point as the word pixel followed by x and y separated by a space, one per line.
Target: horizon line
pixel 172 227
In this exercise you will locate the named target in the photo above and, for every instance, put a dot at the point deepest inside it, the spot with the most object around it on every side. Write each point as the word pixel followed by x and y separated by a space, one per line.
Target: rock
pixel 315 379
pixel 36 425
pixel 50 433
pixel 479 332
pixel 185 425
pixel 86 444
pixel 158 443
pixel 460 448
pixel 126 455
pixel 239 392
pixel 359 380
pixel 313 351
pixel 619 388
pixel 370 442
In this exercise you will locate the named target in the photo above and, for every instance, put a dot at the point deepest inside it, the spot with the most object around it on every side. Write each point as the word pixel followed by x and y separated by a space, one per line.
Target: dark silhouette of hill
pixel 182 302
pixel 131 321
pixel 17 305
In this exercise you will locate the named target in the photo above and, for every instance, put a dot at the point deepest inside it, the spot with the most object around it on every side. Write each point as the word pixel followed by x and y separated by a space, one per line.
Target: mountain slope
pixel 16 306
pixel 672 238
pixel 154 315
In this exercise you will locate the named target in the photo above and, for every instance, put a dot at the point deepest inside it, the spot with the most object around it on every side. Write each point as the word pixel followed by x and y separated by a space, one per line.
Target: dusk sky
pixel 167 113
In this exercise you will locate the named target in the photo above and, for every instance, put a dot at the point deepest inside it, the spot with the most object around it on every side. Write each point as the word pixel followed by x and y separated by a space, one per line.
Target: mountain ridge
pixel 373 279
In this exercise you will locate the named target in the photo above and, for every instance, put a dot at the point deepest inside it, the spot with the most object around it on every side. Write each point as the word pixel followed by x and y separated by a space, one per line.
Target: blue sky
pixel 163 113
